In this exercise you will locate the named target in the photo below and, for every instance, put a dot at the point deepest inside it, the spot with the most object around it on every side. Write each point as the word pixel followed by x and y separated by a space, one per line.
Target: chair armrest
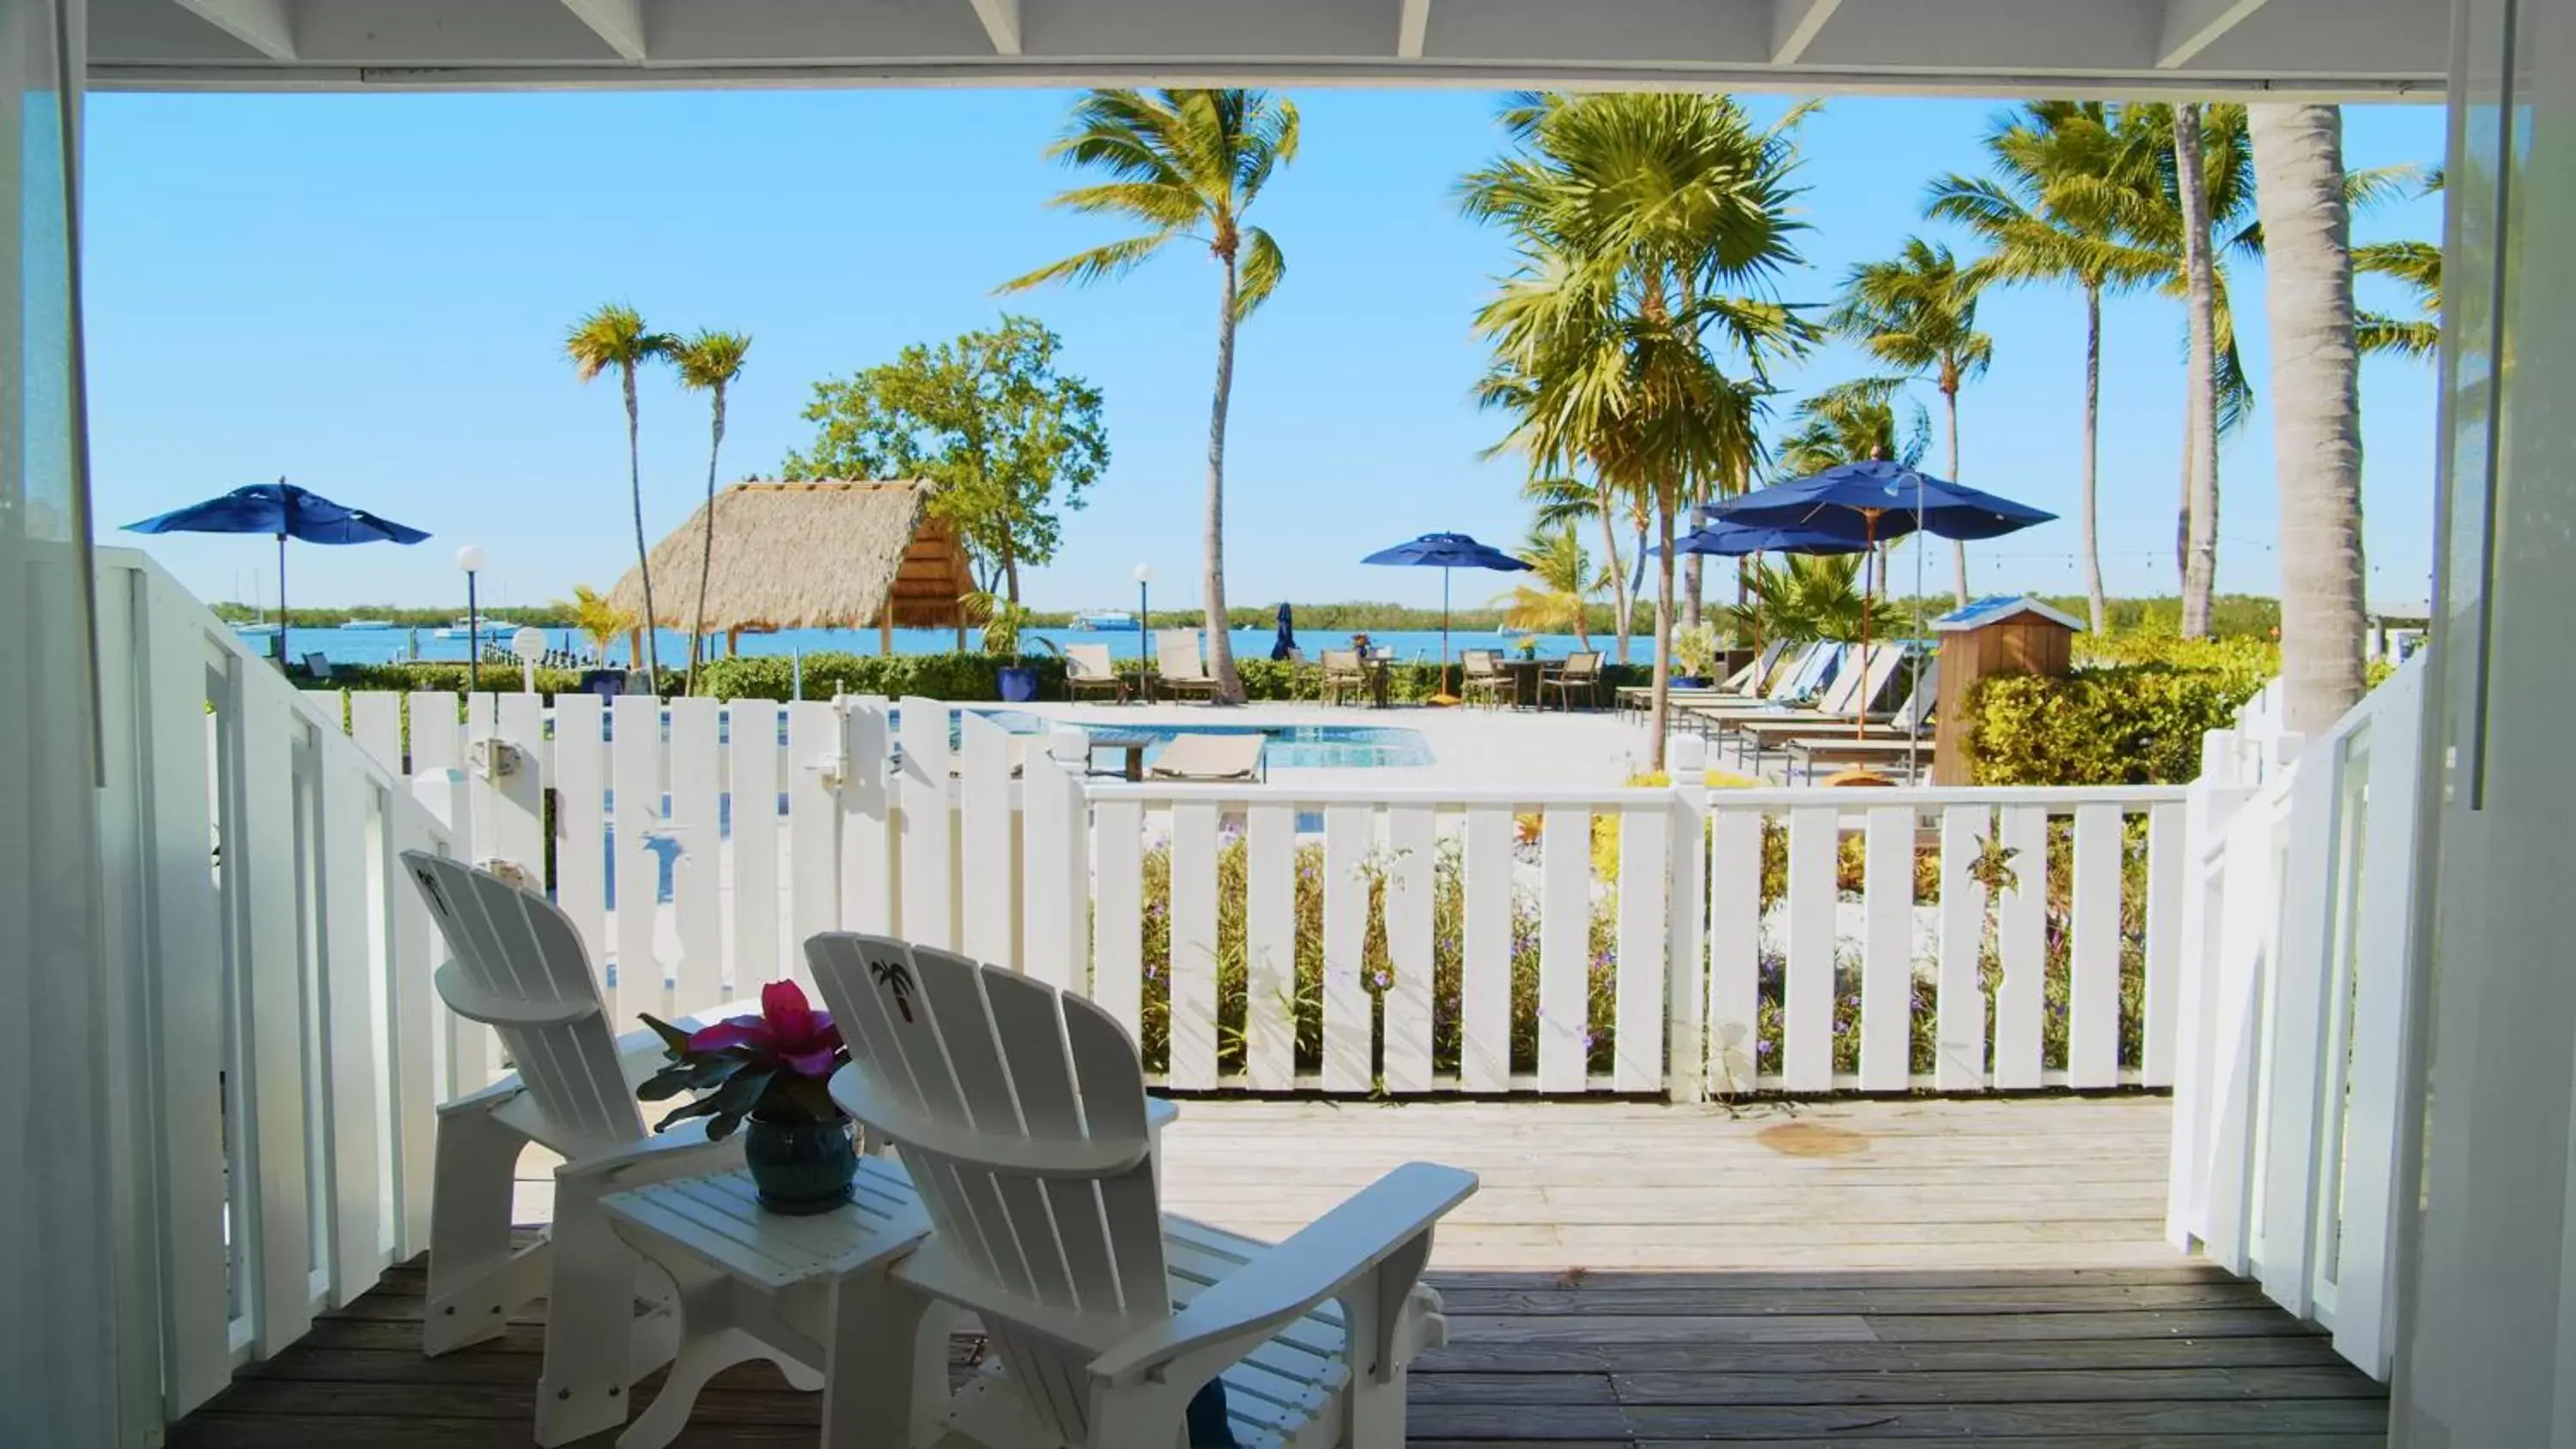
pixel 682 1151
pixel 1317 1263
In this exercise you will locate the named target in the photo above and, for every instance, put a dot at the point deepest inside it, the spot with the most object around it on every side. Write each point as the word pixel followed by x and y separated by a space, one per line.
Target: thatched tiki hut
pixel 826 555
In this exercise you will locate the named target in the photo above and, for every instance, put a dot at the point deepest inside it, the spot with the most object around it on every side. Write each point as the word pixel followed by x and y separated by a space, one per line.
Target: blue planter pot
pixel 800 1167
pixel 1019 683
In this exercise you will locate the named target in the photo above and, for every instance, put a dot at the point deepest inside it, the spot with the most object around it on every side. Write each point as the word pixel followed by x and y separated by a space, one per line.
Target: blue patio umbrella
pixel 1286 644
pixel 1446 551
pixel 285 511
pixel 1723 539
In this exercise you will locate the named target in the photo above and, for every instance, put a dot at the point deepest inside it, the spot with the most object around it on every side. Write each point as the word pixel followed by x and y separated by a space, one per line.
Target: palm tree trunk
pixel 643 550
pixel 1658 711
pixel 1220 641
pixel 1696 494
pixel 2316 408
pixel 1958 547
pixel 1618 577
pixel 2200 557
pixel 2087 513
pixel 706 541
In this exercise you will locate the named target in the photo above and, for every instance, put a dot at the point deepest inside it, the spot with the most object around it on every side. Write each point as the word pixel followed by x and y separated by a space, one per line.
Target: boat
pixel 366 623
pixel 463 627
pixel 1101 620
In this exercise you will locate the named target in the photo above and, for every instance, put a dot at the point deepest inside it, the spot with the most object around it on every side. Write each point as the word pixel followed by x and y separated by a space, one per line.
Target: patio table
pixel 1132 744
pixel 1525 675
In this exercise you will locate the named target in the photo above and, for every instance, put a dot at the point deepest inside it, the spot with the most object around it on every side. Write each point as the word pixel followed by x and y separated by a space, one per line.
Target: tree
pixel 1851 422
pixel 1918 311
pixel 1005 439
pixel 2043 220
pixel 614 336
pixel 595 617
pixel 708 363
pixel 2200 510
pixel 1560 588
pixel 1188 164
pixel 1811 599
pixel 1648 227
pixel 2316 408
pixel 2417 266
pixel 1567 503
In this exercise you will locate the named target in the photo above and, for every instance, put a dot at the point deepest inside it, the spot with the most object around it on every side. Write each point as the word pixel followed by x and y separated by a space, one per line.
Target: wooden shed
pixel 2003 634
pixel 821 555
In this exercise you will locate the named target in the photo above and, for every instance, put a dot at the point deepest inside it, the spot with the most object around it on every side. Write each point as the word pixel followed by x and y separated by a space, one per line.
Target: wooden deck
pixel 1864 1273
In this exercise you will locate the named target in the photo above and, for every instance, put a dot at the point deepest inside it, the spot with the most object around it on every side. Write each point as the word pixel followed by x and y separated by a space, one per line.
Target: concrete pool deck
pixel 1471 748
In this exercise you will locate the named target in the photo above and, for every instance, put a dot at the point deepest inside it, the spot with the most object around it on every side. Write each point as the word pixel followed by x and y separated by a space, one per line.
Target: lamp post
pixel 1144 619
pixel 470 559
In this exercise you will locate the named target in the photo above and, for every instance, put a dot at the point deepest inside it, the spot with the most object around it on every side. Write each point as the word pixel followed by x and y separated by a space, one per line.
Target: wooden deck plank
pixel 1633 1275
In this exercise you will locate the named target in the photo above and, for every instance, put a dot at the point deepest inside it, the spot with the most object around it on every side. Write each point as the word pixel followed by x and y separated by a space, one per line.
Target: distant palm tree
pixel 2043 221
pixel 2200 290
pixel 1560 589
pixel 614 336
pixel 1188 164
pixel 1568 503
pixel 1918 311
pixel 1851 422
pixel 2316 409
pixel 598 620
pixel 708 363
pixel 2418 265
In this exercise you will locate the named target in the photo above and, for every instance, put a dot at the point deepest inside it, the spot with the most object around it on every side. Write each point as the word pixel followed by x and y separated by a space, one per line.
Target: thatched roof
pixel 809 556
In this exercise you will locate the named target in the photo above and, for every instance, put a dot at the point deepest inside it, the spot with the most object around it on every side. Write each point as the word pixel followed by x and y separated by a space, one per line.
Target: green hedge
pixel 444 678
pixel 2117 724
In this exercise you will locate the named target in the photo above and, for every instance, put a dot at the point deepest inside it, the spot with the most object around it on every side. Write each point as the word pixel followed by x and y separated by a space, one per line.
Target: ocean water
pixel 379 646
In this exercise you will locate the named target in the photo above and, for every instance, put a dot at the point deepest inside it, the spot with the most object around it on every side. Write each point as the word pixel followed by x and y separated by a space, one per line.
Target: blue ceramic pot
pixel 800 1167
pixel 1019 683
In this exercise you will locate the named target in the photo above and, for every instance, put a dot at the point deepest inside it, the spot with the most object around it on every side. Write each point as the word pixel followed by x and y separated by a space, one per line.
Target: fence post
pixel 1685 908
pixel 2208 810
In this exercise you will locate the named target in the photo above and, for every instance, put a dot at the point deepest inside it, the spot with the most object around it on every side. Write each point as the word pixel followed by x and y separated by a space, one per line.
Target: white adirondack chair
pixel 518 966
pixel 1020 1112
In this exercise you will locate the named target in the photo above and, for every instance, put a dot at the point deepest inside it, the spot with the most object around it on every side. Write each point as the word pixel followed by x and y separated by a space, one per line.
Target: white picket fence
pixel 281 1055
pixel 2289 1084
pixel 1450 941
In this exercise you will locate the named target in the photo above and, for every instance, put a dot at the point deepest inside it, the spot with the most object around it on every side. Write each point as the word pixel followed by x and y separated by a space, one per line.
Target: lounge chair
pixel 1762 735
pixel 1343 670
pixel 317 666
pixel 1808 675
pixel 1020 1111
pixel 1179 666
pixel 1877 752
pixel 1209 757
pixel 1745 683
pixel 1582 673
pixel 520 969
pixel 1087 670
pixel 1480 676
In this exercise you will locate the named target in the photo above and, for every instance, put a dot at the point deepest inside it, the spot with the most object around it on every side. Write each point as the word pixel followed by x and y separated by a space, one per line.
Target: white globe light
pixel 1144 573
pixel 470 558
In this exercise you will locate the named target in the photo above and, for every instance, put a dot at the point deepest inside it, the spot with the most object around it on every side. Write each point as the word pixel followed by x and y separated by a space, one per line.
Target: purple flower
pixel 1762 1049
pixel 1383 980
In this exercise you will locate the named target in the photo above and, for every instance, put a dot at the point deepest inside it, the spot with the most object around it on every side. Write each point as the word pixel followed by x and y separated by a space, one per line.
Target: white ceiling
pixel 2349 49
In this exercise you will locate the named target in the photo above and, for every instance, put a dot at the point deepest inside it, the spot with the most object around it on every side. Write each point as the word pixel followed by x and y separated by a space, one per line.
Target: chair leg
pixel 593 1345
pixel 476 1280
pixel 883 1365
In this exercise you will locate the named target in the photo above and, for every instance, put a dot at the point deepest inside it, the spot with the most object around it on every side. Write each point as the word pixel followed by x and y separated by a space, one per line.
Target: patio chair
pixel 1205 757
pixel 1806 676
pixel 1087 670
pixel 519 968
pixel 317 666
pixel 1480 676
pixel 1179 666
pixel 1758 735
pixel 1745 683
pixel 1344 671
pixel 1582 673
pixel 1020 1111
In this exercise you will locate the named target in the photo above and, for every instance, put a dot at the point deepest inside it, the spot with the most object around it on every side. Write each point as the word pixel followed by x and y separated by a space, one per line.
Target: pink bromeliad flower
pixel 788 1028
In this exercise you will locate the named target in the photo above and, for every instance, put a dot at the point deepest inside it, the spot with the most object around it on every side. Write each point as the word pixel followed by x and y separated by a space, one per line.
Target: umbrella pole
pixel 1442 696
pixel 1913 705
pixel 281 601
pixel 1860 697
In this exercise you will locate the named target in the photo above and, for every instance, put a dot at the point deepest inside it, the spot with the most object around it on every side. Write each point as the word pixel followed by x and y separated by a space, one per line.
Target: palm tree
pixel 1811 599
pixel 1918 311
pixel 2316 408
pixel 1561 585
pixel 597 619
pixel 1567 503
pixel 708 363
pixel 2418 265
pixel 1851 422
pixel 1188 164
pixel 614 336
pixel 2200 500
pixel 1649 227
pixel 2043 222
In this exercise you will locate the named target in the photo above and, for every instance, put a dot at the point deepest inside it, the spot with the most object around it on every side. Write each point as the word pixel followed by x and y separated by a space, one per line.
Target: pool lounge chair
pixel 1757 738
pixel 1205 758
pixel 1745 683
pixel 1809 675
pixel 1087 670
pixel 1860 689
pixel 1808 757
pixel 1179 666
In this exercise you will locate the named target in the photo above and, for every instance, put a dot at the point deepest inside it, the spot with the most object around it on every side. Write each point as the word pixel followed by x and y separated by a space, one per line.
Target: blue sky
pixel 367 294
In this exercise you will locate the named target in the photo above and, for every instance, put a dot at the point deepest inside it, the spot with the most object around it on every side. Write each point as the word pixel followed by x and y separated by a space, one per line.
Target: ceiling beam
pixel 1795 25
pixel 263 25
pixel 1002 23
pixel 2192 26
pixel 618 23
pixel 1411 25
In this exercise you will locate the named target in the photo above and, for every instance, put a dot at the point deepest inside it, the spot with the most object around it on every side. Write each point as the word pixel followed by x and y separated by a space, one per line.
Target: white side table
pixel 810 1293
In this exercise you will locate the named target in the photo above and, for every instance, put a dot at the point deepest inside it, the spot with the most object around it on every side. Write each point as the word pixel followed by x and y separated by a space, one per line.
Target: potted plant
pixel 772 1071
pixel 1695 649
pixel 1002 622
pixel 1527 645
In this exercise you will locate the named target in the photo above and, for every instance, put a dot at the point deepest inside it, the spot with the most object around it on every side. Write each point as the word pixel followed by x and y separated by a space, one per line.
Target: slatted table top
pixel 719 1220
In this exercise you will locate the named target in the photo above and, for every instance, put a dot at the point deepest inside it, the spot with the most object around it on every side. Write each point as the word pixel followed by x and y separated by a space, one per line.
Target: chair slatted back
pixel 1917 709
pixel 1863 678
pixel 1582 668
pixel 1763 664
pixel 967 1068
pixel 518 966
pixel 1815 672
pixel 1088 661
pixel 1480 664
pixel 1342 663
pixel 1177 656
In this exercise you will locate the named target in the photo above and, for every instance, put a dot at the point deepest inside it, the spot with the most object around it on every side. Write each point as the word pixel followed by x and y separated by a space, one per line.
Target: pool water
pixel 1290 747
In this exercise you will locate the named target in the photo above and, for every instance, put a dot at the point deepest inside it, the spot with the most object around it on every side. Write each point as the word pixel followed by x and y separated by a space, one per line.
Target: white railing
pixel 2294 1010
pixel 280 1056
pixel 1264 938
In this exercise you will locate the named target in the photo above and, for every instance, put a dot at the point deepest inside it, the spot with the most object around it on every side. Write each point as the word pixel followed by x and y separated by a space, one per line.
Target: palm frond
pixel 1101 263
pixel 1262 268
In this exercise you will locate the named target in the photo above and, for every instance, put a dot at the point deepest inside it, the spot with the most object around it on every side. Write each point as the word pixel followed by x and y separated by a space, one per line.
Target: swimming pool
pixel 1289 747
